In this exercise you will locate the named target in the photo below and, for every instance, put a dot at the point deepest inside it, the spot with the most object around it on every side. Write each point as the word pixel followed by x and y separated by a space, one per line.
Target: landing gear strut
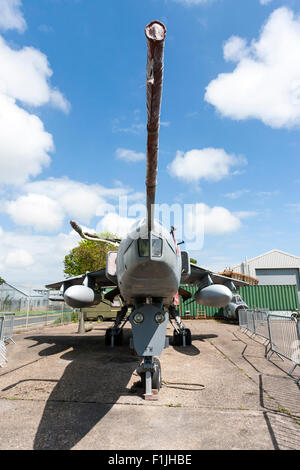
pixel 150 372
pixel 114 335
pixel 181 336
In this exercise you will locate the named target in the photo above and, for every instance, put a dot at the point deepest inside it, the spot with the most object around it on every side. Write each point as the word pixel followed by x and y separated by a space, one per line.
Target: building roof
pixel 274 251
pixel 270 260
pixel 23 291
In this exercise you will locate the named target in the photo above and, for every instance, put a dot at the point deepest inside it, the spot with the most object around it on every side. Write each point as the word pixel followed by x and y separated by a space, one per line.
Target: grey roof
pixel 24 291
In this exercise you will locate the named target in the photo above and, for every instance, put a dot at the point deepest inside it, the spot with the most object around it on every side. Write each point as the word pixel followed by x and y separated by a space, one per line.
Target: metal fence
pixel 35 320
pixel 3 358
pixel 28 304
pixel 282 333
pixel 8 327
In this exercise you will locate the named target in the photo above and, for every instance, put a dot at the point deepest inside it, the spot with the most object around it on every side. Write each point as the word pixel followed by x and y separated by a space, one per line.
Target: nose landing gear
pixel 150 373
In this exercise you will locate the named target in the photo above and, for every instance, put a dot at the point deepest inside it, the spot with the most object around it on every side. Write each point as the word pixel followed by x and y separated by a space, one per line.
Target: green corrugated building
pixel 269 297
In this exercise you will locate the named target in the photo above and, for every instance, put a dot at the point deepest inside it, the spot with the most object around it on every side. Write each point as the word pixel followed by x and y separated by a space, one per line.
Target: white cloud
pixel 235 49
pixel 116 224
pixel 266 81
pixel 79 200
pixel 44 204
pixel 36 210
pixel 245 214
pixel 209 164
pixel 129 155
pixel 18 259
pixel 265 2
pixel 11 17
pixel 294 207
pixel 25 75
pixel 237 194
pixel 44 256
pixel 134 128
pixel 24 143
pixel 212 220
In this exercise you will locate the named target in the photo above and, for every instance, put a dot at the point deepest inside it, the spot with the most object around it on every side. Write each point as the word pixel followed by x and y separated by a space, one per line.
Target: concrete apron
pixel 62 390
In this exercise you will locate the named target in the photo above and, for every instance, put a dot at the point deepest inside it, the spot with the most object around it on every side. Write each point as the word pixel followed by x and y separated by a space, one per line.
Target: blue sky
pixel 72 126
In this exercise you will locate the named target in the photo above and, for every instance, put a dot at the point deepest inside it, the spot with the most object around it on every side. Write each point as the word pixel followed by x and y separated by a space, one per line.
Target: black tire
pixel 177 339
pixel 100 318
pixel 108 337
pixel 119 338
pixel 156 376
pixel 188 337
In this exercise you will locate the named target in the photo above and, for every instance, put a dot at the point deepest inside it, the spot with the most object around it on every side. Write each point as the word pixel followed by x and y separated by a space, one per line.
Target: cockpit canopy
pixel 156 246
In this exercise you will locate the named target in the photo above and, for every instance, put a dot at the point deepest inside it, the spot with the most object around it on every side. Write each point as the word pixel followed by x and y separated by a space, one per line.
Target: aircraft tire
pixel 177 339
pixel 119 339
pixel 188 337
pixel 156 376
pixel 108 337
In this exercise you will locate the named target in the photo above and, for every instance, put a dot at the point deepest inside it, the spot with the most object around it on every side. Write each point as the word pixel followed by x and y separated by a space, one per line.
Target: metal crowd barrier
pixel 284 334
pixel 3 358
pixel 281 331
pixel 8 329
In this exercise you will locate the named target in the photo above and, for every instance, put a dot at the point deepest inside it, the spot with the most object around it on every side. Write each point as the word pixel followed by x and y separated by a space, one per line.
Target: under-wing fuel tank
pixel 215 295
pixel 81 297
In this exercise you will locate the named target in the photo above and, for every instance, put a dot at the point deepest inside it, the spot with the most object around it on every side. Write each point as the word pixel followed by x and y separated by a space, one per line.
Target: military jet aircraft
pixel 148 266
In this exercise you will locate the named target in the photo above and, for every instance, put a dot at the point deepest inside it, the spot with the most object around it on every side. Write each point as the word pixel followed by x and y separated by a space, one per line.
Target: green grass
pixel 67 317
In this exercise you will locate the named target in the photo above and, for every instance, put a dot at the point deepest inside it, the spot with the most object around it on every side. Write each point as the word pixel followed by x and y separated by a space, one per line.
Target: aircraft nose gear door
pixel 149 326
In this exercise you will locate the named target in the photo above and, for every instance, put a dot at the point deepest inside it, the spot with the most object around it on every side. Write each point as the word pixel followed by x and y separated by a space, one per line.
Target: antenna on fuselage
pixel 155 34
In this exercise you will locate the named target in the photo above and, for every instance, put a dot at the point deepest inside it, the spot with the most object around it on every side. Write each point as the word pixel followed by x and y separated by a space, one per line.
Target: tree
pixel 2 281
pixel 88 256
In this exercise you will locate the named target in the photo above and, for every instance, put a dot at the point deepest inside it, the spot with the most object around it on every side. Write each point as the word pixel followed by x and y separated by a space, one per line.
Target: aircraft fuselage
pixel 148 265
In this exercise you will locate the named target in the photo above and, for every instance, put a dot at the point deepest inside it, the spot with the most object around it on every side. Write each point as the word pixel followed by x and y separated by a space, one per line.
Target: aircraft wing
pixel 198 274
pixel 98 276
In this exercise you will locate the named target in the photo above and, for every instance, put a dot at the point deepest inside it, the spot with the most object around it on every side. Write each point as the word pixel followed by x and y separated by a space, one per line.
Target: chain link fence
pixel 28 304
pixel 33 320
pixel 280 329
pixel 11 322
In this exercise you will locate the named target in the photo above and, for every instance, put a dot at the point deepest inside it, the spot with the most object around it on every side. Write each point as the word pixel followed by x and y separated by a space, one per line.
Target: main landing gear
pixel 181 335
pixel 114 335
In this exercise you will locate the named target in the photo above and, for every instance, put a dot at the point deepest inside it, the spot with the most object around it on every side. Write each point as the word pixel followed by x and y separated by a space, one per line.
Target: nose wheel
pixel 151 381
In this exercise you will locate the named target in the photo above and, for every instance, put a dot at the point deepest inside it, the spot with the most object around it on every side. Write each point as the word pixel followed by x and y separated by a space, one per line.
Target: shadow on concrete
pixel 92 382
pixel 279 396
pixel 191 350
pixel 188 350
pixel 203 337
pixel 226 321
